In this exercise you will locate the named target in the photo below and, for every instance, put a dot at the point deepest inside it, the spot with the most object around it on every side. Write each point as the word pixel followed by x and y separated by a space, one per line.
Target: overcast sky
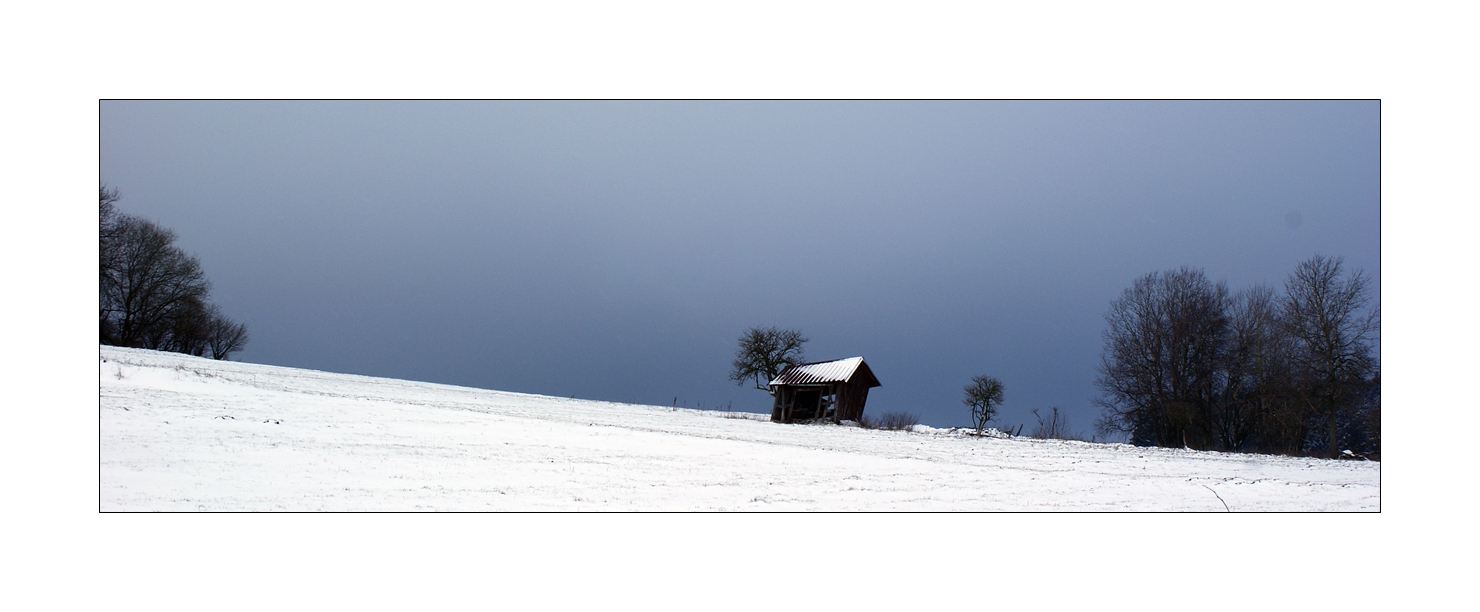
pixel 615 250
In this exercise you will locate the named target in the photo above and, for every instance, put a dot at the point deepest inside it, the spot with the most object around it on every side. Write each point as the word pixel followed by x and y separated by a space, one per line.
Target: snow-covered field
pixel 184 433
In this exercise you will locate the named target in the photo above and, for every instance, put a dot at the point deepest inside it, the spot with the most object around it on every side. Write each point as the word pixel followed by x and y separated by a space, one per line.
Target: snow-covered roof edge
pixel 837 370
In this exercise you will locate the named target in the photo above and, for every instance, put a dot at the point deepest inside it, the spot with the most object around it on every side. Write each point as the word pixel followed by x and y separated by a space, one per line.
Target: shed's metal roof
pixel 840 370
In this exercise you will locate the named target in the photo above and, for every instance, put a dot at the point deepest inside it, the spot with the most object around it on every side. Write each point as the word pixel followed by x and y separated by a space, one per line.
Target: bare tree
pixel 1159 375
pixel 107 259
pixel 224 336
pixel 153 295
pixel 188 330
pixel 1256 403
pixel 1185 364
pixel 1372 416
pixel 107 211
pixel 151 284
pixel 983 395
pixel 1325 315
pixel 764 352
pixel 150 293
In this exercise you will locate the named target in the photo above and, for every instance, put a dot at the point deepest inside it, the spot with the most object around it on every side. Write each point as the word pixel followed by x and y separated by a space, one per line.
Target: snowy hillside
pixel 184 433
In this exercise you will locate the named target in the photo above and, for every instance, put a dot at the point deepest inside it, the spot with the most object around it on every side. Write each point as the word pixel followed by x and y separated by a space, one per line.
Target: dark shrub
pixel 890 420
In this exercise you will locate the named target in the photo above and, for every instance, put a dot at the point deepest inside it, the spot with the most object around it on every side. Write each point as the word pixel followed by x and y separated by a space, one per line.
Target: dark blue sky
pixel 615 250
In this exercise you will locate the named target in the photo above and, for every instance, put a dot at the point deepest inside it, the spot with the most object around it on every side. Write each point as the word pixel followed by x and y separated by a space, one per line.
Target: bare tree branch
pixel 983 395
pixel 764 352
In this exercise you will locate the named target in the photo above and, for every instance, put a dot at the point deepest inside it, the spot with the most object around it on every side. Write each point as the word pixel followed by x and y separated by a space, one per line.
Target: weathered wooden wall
pixel 851 396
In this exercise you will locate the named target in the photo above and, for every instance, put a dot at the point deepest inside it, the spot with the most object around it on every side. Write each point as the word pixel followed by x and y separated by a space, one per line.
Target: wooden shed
pixel 823 390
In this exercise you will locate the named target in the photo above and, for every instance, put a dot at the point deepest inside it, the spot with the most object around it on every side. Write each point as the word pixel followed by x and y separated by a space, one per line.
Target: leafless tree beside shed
pixel 825 390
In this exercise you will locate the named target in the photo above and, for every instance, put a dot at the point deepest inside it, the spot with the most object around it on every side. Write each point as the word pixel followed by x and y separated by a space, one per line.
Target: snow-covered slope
pixel 184 433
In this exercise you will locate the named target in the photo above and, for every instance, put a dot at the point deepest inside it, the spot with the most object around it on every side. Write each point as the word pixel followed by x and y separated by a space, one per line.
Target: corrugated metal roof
pixel 817 373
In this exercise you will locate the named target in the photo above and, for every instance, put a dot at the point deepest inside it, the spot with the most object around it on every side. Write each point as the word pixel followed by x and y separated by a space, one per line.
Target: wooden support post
pixel 837 405
pixel 832 392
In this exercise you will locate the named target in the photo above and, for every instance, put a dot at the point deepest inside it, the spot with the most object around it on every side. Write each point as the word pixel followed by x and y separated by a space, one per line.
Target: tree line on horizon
pixel 1189 363
pixel 152 294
